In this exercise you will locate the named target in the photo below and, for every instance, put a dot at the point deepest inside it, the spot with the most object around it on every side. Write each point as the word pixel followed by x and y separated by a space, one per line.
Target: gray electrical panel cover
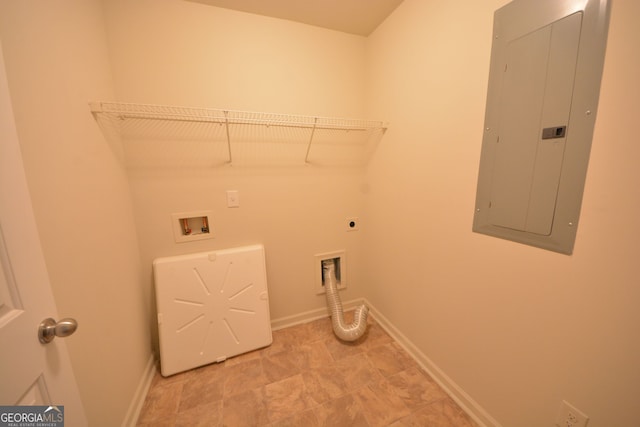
pixel 546 65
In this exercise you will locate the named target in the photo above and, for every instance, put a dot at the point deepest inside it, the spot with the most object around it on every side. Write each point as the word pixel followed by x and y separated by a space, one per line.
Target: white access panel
pixel 211 306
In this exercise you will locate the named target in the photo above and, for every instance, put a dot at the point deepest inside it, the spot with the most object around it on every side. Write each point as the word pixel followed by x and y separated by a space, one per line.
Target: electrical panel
pixel 544 83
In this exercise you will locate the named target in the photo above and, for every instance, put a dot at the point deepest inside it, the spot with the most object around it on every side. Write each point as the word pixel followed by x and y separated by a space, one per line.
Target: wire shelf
pixel 160 135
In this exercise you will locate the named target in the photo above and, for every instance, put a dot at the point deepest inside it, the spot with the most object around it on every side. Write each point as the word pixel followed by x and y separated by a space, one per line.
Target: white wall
pixel 177 53
pixel 183 53
pixel 518 328
pixel 56 62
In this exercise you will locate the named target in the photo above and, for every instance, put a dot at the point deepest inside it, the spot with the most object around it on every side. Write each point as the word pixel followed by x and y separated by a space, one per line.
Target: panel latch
pixel 554 132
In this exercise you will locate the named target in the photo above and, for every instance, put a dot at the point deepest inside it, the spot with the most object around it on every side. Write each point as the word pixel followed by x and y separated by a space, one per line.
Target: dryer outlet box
pixel 340 259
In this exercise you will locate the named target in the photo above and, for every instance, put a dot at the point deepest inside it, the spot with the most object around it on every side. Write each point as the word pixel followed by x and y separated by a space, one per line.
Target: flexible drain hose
pixel 345 332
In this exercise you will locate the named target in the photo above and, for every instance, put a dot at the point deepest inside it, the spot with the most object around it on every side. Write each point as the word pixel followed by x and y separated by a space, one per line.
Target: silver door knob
pixel 49 329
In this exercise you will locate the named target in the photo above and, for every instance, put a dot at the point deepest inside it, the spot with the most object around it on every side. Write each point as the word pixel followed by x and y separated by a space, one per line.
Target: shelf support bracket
pixel 313 130
pixel 226 125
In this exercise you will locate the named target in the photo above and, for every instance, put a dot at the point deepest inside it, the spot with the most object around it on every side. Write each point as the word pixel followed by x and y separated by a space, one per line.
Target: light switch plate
pixel 233 199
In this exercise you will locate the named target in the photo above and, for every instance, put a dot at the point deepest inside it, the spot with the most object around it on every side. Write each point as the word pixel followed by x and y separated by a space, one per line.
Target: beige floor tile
pixel 312 355
pixel 319 330
pixel 244 376
pixel 444 413
pixel 280 365
pixel 306 378
pixel 343 411
pixel 380 404
pixel 159 381
pixel 241 358
pixel 161 403
pixel 324 383
pixel 415 388
pixel 301 419
pixel 165 422
pixel 287 397
pixel 342 349
pixel 205 385
pixel 292 336
pixel 390 359
pixel 205 415
pixel 357 371
pixel 245 409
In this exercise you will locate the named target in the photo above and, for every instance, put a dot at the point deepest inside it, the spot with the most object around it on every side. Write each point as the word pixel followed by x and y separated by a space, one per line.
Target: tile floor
pixel 306 378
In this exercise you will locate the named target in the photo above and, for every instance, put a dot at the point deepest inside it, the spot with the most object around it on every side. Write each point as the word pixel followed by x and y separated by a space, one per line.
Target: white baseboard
pixel 131 419
pixel 308 316
pixel 470 406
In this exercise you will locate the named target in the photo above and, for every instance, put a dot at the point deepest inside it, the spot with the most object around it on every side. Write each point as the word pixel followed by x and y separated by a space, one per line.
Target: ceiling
pixel 359 17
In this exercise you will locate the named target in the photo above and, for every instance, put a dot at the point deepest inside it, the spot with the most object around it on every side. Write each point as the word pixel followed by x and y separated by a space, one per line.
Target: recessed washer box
pixel 191 226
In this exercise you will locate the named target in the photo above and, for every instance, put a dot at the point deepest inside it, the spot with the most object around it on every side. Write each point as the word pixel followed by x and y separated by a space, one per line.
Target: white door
pixel 31 373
